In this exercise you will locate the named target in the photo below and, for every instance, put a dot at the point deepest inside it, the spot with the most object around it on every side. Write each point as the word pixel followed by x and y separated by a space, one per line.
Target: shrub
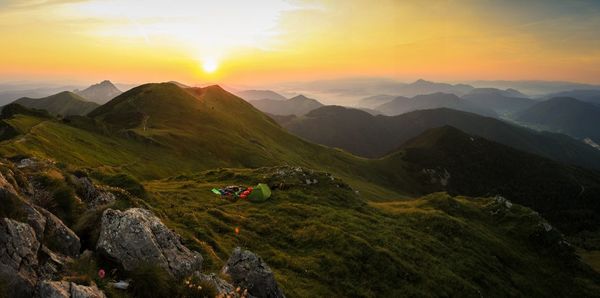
pixel 87 227
pixel 149 280
pixel 195 287
pixel 127 183
pixel 10 206
pixel 67 206
pixel 3 288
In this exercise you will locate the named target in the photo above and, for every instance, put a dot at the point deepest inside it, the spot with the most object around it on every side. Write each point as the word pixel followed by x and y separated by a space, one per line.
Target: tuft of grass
pixel 124 181
pixel 196 287
pixel 11 206
pixel 151 281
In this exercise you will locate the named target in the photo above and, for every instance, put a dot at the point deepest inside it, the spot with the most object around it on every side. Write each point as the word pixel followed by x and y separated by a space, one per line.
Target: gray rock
pixel 17 285
pixel 94 196
pixel 136 236
pixel 79 291
pixel 54 289
pixel 18 257
pixel 65 289
pixel 51 265
pixel 249 271
pixel 223 288
pixel 18 245
pixel 58 236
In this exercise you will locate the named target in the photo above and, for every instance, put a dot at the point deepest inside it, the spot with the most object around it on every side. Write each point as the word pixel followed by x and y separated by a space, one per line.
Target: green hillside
pixel 447 159
pixel 375 136
pixel 336 225
pixel 65 104
pixel 159 130
pixel 566 115
pixel 322 240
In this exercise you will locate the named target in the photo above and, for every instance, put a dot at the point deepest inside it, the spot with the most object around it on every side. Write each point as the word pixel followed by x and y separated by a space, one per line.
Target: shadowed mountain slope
pixel 566 115
pixel 298 105
pixel 65 103
pixel 374 136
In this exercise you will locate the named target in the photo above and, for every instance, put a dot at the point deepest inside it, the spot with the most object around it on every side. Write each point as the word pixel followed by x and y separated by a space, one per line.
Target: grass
pixel 159 130
pixel 357 236
pixel 323 240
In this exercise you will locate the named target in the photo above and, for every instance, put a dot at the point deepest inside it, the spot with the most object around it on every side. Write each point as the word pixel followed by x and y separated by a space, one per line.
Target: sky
pixel 269 41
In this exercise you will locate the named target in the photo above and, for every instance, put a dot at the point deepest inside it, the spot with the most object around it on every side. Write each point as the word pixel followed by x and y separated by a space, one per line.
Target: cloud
pixel 28 4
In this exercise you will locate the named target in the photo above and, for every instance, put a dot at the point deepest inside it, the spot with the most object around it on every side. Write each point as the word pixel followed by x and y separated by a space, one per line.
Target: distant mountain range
pixel 375 100
pixel 65 103
pixel 100 93
pixel 587 95
pixel 502 102
pixel 253 95
pixel 566 115
pixel 374 136
pixel 401 105
pixel 421 87
pixel 298 105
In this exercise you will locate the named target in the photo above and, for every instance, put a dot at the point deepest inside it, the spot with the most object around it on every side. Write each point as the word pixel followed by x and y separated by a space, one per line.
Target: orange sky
pixel 259 42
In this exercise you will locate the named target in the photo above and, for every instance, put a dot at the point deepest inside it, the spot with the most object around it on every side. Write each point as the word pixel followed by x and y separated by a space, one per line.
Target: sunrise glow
pixel 276 40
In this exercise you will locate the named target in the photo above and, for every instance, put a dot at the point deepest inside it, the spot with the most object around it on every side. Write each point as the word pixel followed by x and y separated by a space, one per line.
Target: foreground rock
pixel 222 287
pixel 18 257
pixel 249 271
pixel 136 236
pixel 94 196
pixel 65 289
pixel 58 236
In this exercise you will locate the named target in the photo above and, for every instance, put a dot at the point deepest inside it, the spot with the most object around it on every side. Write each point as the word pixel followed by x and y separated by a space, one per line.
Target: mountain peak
pixel 421 82
pixel 299 97
pixel 100 93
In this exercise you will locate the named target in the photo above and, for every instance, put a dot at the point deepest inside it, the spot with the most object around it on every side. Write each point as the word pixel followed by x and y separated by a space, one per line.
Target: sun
pixel 210 65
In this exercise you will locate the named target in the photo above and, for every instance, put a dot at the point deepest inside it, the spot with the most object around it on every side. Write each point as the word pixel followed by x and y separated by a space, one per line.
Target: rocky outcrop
pixel 65 289
pixel 59 237
pixel 249 271
pixel 222 287
pixel 136 236
pixel 18 257
pixel 92 195
pixel 19 245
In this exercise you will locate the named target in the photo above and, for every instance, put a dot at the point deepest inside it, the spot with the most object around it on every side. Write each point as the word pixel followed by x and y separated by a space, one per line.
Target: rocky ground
pixel 41 255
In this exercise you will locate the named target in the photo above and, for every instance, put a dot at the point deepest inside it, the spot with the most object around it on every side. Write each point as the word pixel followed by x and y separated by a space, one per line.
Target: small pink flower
pixel 101 273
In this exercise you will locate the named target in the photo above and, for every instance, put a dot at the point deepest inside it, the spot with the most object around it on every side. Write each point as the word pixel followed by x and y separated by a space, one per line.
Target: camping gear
pixel 121 285
pixel 260 193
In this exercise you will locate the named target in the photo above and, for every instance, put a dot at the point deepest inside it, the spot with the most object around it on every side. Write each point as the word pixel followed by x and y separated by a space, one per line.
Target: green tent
pixel 260 193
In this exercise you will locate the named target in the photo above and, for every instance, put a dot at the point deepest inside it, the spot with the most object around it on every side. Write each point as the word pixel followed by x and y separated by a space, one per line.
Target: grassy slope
pixel 160 130
pixel 64 103
pixel 321 240
pixel 368 135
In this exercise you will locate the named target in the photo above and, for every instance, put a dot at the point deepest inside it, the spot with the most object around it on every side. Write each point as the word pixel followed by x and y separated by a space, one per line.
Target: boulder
pixel 92 195
pixel 222 287
pixel 250 272
pixel 58 237
pixel 136 236
pixel 18 257
pixel 65 289
pixel 79 291
pixel 15 284
pixel 18 245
